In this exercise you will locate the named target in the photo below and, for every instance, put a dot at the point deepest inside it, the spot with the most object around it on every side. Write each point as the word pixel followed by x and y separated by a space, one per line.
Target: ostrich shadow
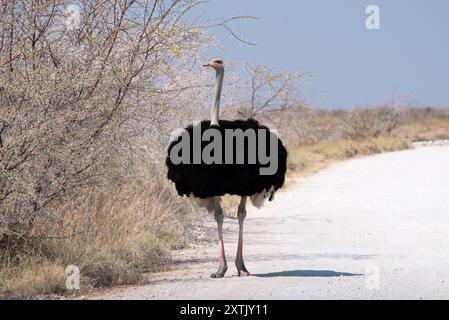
pixel 307 273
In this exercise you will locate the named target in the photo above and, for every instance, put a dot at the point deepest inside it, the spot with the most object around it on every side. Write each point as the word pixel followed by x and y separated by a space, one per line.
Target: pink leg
pixel 241 212
pixel 221 252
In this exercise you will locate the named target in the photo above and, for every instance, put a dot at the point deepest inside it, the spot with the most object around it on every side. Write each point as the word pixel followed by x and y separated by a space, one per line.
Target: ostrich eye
pixel 219 61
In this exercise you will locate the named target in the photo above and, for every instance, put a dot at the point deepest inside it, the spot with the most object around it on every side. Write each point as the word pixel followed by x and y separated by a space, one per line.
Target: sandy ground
pixel 375 227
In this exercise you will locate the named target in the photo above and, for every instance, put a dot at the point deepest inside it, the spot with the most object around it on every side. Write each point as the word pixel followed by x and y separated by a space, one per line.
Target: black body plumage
pixel 208 180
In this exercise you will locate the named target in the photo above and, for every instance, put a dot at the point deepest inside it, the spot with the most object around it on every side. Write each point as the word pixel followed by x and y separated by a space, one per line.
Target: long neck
pixel 216 106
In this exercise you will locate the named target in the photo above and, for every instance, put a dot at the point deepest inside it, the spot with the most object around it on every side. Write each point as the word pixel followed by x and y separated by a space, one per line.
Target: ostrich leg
pixel 241 212
pixel 222 257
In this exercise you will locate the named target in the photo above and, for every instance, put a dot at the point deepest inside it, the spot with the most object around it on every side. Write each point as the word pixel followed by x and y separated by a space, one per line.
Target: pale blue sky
pixel 350 65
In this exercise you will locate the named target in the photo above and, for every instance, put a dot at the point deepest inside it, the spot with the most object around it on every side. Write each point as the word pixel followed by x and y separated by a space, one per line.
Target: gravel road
pixel 374 227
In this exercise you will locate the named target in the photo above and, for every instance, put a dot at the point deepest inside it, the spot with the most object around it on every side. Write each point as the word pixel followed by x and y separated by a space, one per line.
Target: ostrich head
pixel 217 64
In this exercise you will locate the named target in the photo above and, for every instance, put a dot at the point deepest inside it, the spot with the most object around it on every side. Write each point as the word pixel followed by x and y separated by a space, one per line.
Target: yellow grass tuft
pixel 32 277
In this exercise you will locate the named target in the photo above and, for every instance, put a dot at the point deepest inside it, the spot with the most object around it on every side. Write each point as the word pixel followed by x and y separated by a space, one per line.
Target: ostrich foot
pixel 241 269
pixel 243 273
pixel 220 273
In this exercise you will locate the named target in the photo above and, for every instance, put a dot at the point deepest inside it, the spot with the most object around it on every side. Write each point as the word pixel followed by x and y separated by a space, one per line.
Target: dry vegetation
pixel 342 134
pixel 112 238
pixel 86 111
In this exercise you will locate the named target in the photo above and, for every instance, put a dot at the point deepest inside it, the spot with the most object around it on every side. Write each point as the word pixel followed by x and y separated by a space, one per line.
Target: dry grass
pixel 33 277
pixel 113 240
pixel 339 135
pixel 432 129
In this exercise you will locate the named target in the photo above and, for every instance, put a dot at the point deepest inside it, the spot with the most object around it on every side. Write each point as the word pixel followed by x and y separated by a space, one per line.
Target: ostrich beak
pixel 207 65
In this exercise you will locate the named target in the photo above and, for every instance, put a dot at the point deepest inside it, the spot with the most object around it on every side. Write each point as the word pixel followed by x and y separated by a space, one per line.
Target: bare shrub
pixel 259 91
pixel 70 96
pixel 370 122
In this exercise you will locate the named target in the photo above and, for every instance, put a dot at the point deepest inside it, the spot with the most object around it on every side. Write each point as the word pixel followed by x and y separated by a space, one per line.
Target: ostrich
pixel 205 183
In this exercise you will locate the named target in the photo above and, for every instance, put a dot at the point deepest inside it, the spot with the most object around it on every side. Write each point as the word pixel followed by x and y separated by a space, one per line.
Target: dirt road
pixel 375 227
